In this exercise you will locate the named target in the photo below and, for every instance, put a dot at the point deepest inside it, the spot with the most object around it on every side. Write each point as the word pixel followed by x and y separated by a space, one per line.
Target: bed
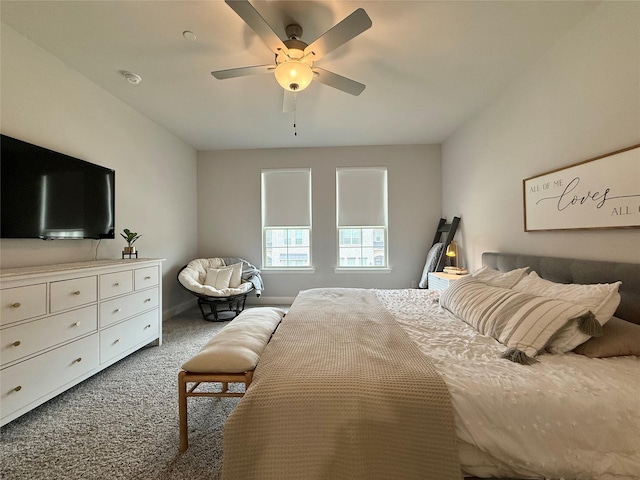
pixel 366 384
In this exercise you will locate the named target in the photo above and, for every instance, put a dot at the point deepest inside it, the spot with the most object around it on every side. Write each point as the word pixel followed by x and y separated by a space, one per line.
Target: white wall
pixel 49 104
pixel 229 222
pixel 580 100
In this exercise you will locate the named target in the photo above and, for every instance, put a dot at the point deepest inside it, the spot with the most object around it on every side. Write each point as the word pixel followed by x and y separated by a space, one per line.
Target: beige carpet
pixel 123 422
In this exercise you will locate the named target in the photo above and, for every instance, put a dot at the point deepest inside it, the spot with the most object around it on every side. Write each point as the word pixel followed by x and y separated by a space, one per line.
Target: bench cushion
pixel 237 347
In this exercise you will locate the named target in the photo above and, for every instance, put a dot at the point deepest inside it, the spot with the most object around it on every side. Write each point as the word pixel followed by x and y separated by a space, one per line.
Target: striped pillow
pixel 524 323
pixel 601 298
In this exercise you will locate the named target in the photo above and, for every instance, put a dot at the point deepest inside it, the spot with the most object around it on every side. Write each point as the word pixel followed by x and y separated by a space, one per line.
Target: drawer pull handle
pixel 77 292
pixel 77 324
pixel 147 300
pixel 117 284
pixel 147 326
pixel 147 278
pixel 118 310
pixel 16 305
pixel 117 340
pixel 18 388
pixel 77 360
pixel 16 343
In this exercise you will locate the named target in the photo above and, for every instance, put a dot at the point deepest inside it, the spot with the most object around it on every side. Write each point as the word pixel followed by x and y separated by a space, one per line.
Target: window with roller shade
pixel 286 218
pixel 361 213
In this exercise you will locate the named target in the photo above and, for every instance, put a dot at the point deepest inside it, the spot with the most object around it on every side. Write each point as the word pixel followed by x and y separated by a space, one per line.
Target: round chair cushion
pixel 194 276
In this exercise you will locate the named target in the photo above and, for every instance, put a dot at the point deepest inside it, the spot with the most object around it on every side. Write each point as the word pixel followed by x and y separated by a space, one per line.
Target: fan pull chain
pixel 295 130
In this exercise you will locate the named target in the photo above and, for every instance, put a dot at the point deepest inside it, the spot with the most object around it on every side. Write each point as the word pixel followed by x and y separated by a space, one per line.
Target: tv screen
pixel 49 195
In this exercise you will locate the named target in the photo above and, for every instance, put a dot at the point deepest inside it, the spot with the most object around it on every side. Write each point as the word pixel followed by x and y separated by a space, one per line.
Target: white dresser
pixel 60 324
pixel 441 280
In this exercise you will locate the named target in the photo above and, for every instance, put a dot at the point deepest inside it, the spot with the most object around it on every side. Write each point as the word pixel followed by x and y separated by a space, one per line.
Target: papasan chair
pixel 220 282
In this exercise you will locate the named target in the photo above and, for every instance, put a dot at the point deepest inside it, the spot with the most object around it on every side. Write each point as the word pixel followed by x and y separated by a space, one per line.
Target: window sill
pixel 306 270
pixel 360 270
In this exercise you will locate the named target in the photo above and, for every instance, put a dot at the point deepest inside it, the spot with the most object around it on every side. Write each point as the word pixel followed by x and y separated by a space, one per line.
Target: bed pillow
pixel 524 323
pixel 219 278
pixel 500 279
pixel 601 298
pixel 236 275
pixel 430 265
pixel 618 338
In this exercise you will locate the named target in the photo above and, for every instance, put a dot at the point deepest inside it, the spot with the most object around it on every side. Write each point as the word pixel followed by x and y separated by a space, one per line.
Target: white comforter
pixel 566 417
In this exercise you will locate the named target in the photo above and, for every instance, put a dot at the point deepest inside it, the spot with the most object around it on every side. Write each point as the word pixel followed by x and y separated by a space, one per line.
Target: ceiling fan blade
pixel 289 101
pixel 338 81
pixel 350 27
pixel 243 72
pixel 252 18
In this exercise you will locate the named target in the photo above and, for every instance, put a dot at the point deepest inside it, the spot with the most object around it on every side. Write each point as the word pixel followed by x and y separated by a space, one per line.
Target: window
pixel 286 247
pixel 362 217
pixel 286 218
pixel 350 236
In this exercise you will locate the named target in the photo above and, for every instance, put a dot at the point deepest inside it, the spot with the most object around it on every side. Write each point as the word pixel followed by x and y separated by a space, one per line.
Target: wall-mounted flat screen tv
pixel 49 195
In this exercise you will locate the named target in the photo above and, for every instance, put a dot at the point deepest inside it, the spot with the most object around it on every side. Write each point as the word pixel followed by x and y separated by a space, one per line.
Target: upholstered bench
pixel 229 357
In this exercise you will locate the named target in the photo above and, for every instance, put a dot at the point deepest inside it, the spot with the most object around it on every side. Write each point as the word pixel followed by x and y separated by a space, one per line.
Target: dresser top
pixel 8 273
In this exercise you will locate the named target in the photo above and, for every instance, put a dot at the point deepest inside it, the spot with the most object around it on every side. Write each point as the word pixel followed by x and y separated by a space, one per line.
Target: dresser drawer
pixel 113 311
pixel 124 336
pixel 114 284
pixel 31 337
pixel 32 379
pixel 67 294
pixel 21 303
pixel 146 277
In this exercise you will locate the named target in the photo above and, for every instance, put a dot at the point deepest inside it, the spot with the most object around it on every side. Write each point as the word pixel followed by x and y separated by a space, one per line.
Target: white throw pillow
pixel 601 298
pixel 236 275
pixel 219 278
pixel 500 279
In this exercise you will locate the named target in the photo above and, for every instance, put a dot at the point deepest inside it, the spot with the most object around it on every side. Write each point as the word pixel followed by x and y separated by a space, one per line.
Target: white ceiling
pixel 429 66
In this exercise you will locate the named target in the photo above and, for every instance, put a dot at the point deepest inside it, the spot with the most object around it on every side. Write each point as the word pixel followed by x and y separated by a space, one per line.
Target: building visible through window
pixel 361 211
pixel 287 247
pixel 286 218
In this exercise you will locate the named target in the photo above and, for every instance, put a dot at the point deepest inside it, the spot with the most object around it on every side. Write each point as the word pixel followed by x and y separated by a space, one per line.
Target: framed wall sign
pixel 603 192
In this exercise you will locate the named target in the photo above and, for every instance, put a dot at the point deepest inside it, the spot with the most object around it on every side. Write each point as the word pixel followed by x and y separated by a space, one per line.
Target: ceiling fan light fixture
pixel 294 75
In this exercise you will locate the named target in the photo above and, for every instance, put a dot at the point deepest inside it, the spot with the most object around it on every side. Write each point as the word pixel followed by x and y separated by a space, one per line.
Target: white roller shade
pixel 361 196
pixel 286 198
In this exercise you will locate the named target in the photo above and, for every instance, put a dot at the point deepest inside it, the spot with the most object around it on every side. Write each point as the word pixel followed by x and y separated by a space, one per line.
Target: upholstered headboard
pixel 571 270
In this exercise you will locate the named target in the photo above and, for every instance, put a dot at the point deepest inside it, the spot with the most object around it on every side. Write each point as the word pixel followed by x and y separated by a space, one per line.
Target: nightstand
pixel 441 280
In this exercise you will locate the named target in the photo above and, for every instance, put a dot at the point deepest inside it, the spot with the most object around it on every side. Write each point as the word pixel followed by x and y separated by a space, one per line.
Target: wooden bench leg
pixel 182 408
pixel 184 378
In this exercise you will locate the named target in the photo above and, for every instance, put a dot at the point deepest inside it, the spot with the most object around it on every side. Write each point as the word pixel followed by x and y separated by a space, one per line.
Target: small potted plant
pixel 130 237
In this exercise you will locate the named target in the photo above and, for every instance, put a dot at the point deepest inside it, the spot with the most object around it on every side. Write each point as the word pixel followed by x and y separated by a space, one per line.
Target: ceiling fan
pixel 294 59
